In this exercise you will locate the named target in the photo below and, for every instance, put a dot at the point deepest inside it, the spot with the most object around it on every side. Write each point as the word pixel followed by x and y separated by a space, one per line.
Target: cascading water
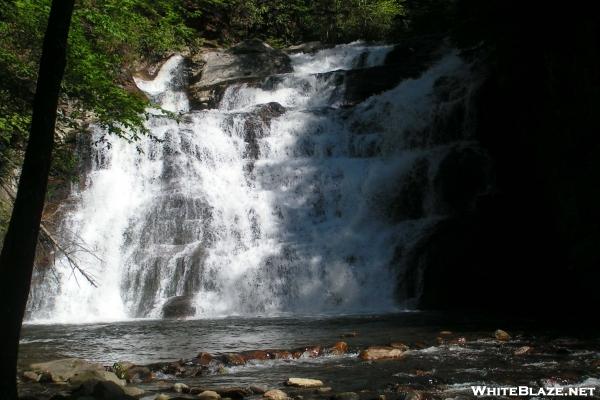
pixel 279 201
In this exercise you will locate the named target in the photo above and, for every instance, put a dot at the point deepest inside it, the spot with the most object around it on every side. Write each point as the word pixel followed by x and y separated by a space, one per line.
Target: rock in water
pixel 275 394
pixel 501 335
pixel 178 307
pixel 523 350
pixel 304 383
pixel 64 369
pixel 258 389
pixel 339 348
pixel 138 374
pixel 209 395
pixel 133 391
pixel 180 387
pixel 95 375
pixel 234 392
pixel 32 376
pixel 380 353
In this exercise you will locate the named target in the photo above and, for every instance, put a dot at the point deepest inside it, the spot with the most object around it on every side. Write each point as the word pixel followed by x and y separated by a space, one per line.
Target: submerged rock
pixel 178 307
pixel 258 389
pixel 304 382
pixel 275 394
pixel 380 353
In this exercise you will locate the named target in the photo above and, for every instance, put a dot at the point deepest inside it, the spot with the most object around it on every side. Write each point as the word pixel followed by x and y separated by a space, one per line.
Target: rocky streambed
pixel 354 359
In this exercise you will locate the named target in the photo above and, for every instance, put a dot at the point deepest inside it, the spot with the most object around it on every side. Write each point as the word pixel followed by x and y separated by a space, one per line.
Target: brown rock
pixel 339 348
pixel 304 383
pixel 380 353
pixel 256 355
pixel 414 396
pixel 258 389
pixel 275 394
pixel 180 388
pixel 234 359
pixel 523 350
pixel 138 374
pixel 209 395
pixel 501 335
pixel 399 345
pixel 234 392
pixel 32 376
pixel 64 369
pixel 204 358
pixel 282 354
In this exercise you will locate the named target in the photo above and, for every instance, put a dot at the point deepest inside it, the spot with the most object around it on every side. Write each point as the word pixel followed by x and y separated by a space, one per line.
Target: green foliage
pixel 285 22
pixel 107 39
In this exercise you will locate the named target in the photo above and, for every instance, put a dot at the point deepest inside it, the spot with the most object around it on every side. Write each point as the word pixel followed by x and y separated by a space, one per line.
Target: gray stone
pixel 64 369
pixel 249 61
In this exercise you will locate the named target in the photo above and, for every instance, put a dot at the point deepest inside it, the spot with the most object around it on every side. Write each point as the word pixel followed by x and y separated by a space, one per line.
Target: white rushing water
pixel 249 217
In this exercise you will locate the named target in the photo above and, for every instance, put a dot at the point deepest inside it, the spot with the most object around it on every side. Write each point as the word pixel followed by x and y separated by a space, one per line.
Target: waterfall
pixel 280 201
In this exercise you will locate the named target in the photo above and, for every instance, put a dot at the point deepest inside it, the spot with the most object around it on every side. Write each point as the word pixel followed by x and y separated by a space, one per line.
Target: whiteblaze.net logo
pixel 486 391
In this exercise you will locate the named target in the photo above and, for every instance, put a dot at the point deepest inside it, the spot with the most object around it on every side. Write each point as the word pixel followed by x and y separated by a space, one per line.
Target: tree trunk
pixel 18 252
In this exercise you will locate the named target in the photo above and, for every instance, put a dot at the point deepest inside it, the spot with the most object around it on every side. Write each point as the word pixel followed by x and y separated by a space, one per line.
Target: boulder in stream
pixel 380 353
pixel 63 370
pixel 275 394
pixel 178 307
pixel 304 382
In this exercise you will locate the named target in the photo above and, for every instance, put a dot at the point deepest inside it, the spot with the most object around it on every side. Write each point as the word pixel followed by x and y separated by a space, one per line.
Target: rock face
pixel 249 61
pixel 304 383
pixel 380 353
pixel 178 307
